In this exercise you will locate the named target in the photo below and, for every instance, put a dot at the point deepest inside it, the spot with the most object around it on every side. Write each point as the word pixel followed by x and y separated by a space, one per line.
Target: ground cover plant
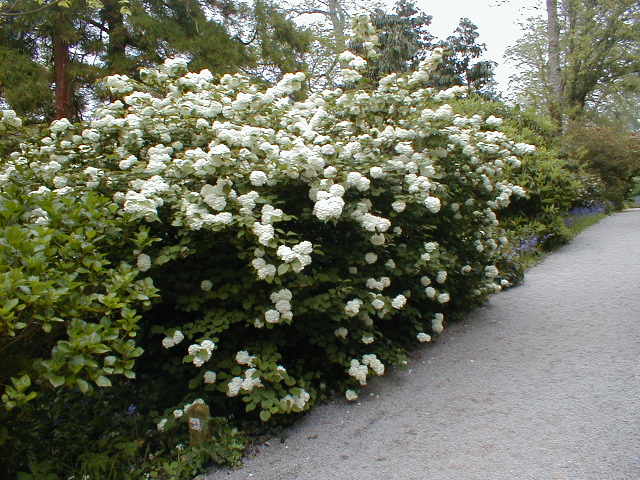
pixel 221 246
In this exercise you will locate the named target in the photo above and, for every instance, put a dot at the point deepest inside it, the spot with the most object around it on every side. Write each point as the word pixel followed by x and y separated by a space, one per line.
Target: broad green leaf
pixel 103 381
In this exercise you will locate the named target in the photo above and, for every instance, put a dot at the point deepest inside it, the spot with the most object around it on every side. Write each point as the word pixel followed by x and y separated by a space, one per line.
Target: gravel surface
pixel 542 383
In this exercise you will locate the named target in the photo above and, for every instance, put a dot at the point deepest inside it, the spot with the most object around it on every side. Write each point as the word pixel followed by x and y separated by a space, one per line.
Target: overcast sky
pixel 497 25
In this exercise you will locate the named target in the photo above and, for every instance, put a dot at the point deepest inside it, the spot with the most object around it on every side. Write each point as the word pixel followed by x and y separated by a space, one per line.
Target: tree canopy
pixel 61 48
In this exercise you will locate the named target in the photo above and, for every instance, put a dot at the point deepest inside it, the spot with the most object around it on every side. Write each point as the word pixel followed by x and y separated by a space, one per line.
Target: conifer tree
pixel 66 45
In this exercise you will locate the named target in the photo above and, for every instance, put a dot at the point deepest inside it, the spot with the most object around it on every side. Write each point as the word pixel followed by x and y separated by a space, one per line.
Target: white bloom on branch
pixel 143 262
pixel 243 358
pixel 399 302
pixel 423 337
pixel 436 323
pixel 258 178
pixel 351 395
pixel 432 204
pixel 209 377
pixel 370 257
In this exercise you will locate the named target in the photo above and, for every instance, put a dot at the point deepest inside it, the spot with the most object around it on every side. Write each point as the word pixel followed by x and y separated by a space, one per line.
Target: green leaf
pixel 83 385
pixel 56 380
pixel 103 381
pixel 22 383
pixel 265 415
pixel 283 268
pixel 8 305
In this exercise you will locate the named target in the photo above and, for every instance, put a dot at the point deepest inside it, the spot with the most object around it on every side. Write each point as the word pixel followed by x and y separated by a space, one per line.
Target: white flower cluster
pixel 351 395
pixel 491 271
pixel 381 284
pixel 250 381
pixel 399 302
pixel 10 118
pixel 143 262
pixel 264 270
pixel 173 340
pixel 243 358
pixel 352 308
pixel 436 323
pixel 423 337
pixel 201 352
pixel 359 371
pixel 299 256
pixel 329 205
pixel 295 403
pixel 373 363
pixel 282 311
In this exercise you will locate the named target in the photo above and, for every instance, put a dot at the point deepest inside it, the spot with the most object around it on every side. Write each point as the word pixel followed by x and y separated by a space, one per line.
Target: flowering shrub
pixel 295 244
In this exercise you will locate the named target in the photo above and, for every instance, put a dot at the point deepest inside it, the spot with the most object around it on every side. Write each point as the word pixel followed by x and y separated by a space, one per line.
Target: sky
pixel 497 24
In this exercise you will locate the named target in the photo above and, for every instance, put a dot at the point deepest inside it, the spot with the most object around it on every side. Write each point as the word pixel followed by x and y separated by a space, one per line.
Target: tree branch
pixel 28 12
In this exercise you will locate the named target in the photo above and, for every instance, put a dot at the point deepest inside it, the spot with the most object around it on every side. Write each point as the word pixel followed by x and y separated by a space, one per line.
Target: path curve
pixel 543 383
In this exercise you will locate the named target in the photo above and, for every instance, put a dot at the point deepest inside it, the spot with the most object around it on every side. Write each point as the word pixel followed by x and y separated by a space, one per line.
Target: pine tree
pixel 72 43
pixel 460 65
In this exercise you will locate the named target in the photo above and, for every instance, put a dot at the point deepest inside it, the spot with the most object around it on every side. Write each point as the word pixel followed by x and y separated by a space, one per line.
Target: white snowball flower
pixel 431 292
pixel 399 302
pixel 399 206
pixel 272 316
pixel 443 297
pixel 352 308
pixel 144 262
pixel 432 204
pixel 376 172
pixel 161 424
pixel 351 395
pixel 358 371
pixel 367 339
pixel 234 386
pixel 374 363
pixel 243 358
pixel 258 178
pixel 423 337
pixel 377 239
pixel 209 377
pixel 436 323
pixel 491 271
pixel 329 207
pixel 441 277
pixel 329 149
pixel 493 121
pixel 341 332
pixel 206 285
pixel 370 257
pixel 431 246
pixel 178 337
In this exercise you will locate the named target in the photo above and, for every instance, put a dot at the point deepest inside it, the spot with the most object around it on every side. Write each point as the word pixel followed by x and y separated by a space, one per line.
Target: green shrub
pixel 606 150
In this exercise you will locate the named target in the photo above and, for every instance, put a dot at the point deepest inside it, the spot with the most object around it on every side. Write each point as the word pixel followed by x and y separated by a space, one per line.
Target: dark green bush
pixel 608 151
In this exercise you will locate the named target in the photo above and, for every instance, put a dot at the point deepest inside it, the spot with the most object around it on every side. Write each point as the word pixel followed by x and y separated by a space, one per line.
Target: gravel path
pixel 543 383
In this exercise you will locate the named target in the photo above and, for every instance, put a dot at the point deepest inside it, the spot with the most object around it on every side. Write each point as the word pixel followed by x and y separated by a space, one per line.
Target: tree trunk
pixel 555 79
pixel 337 17
pixel 63 106
pixel 118 37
